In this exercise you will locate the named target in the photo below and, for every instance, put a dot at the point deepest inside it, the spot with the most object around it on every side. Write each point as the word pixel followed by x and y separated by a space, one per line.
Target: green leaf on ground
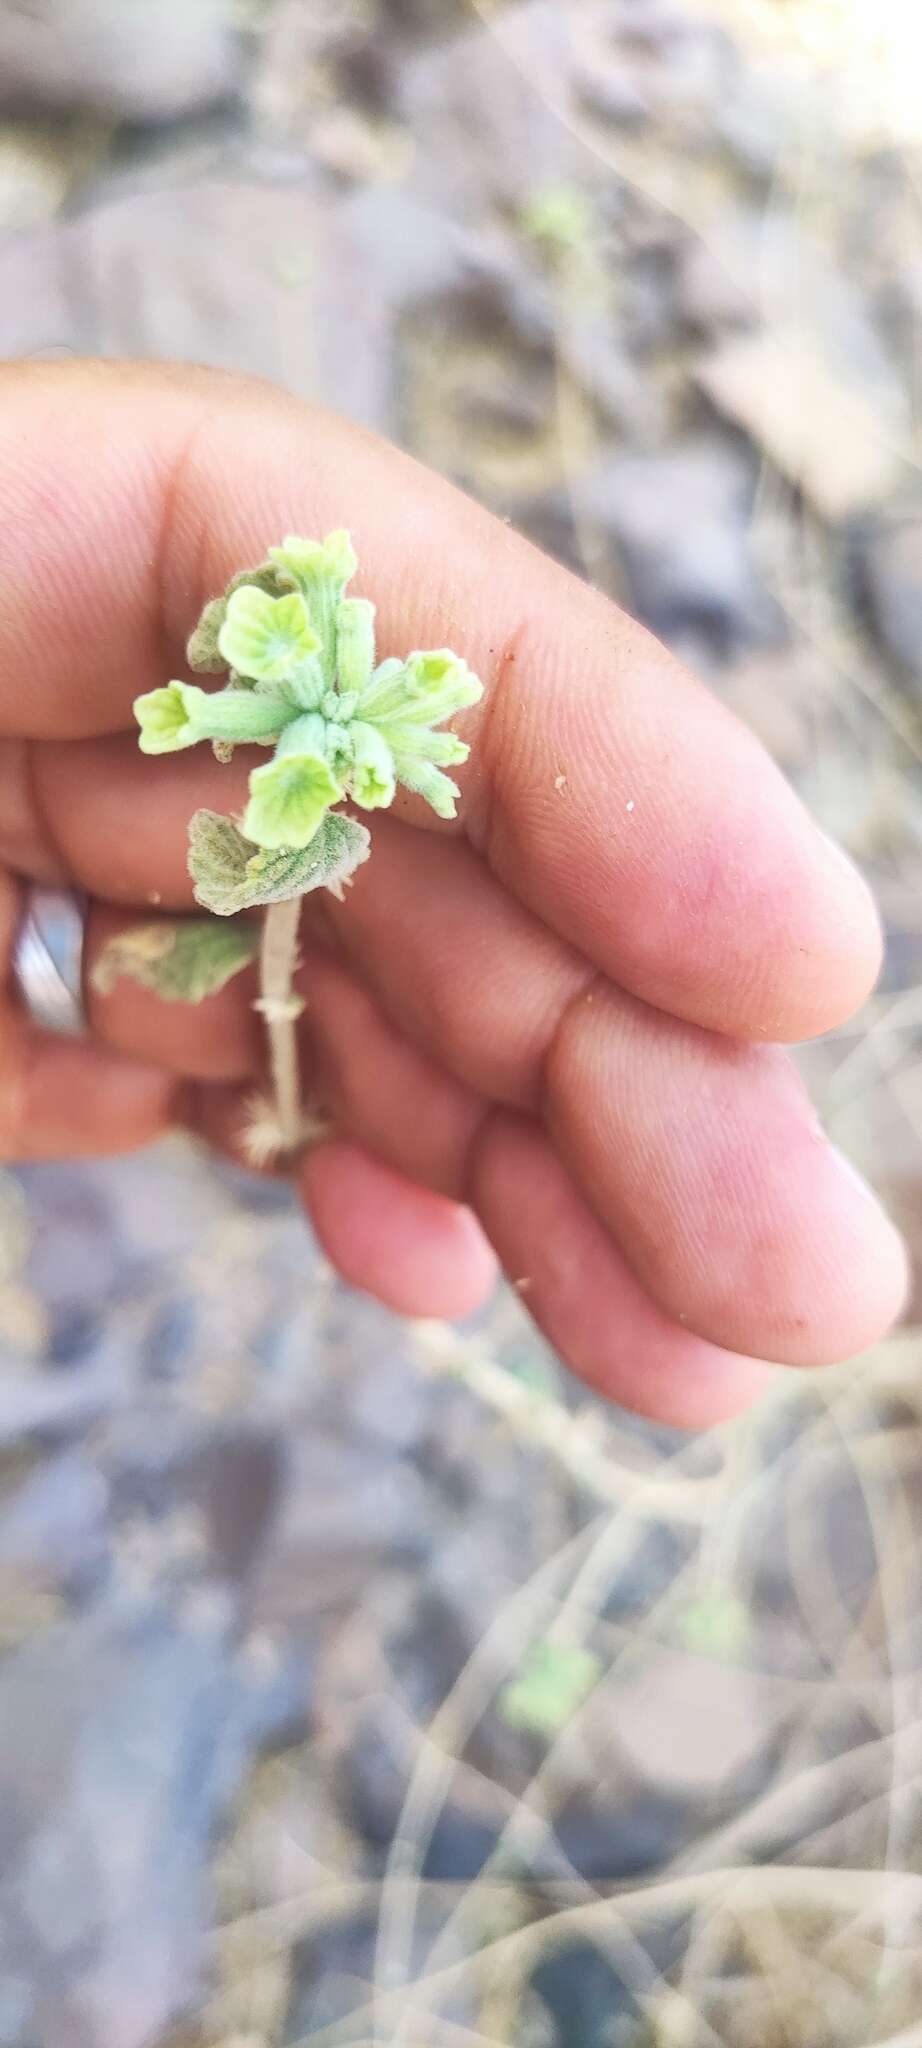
pixel 552 1682
pixel 717 1625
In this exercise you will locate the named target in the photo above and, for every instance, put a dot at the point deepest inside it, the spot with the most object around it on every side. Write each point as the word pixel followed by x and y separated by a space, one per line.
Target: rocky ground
pixel 362 1684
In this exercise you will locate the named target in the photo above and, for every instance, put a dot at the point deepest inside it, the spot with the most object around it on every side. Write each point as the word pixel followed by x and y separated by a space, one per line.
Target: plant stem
pixel 277 962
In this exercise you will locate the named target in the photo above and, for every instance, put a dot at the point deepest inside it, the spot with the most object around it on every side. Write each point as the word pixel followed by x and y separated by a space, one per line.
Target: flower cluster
pixel 304 680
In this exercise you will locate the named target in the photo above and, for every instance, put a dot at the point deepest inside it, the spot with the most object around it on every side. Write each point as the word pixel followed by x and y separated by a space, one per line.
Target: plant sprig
pixel 302 679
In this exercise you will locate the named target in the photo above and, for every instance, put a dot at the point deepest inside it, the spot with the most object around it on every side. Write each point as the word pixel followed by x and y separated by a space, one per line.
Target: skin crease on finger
pixel 573 1279
pixel 706 889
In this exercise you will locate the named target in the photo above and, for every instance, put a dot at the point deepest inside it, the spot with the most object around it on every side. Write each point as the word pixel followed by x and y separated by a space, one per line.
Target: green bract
pixel 304 680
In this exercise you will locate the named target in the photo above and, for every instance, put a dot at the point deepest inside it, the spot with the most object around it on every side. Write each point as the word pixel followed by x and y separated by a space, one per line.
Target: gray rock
pixel 123 1742
pixel 679 521
pixel 74 1258
pixel 485 113
pixel 253 278
pixel 51 1405
pixel 587 2002
pixel 347 1514
pixel 890 571
pixel 374 1777
pixel 716 285
pixel 757 116
pixel 333 1972
pixel 237 1482
pixel 611 93
pixel 53 1528
pixel 150 61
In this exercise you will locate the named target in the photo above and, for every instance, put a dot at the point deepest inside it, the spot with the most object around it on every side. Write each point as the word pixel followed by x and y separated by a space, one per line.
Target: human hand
pixel 561 1013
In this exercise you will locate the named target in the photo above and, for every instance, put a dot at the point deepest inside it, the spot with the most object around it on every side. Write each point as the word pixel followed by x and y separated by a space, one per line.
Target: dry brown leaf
pixel 817 424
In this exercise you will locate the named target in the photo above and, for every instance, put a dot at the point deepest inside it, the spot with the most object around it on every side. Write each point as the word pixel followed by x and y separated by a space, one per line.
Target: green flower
pixel 312 563
pixel 289 798
pixel 423 690
pixel 181 714
pixel 304 678
pixel 164 720
pixel 403 701
pixel 372 776
pixel 320 570
pixel 268 639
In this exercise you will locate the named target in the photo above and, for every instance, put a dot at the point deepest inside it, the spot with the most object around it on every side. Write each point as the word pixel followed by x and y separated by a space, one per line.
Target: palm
pixel 549 1015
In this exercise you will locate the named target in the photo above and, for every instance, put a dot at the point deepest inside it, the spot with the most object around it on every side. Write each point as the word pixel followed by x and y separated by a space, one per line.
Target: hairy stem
pixel 281 1009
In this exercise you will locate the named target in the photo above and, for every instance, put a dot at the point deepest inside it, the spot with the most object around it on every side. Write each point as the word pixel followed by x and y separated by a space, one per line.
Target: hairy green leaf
pixel 183 961
pixel 231 874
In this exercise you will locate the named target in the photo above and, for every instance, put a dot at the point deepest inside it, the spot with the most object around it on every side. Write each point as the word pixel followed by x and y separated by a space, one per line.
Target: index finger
pixel 608 791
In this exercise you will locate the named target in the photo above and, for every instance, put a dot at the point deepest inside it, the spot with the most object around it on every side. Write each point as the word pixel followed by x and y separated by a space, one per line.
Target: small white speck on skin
pixel 154 896
pixel 522 1286
pixel 560 782
pixel 630 806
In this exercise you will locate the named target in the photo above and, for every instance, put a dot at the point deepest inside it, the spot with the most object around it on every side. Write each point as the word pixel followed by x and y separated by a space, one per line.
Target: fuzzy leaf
pixel 232 874
pixel 267 638
pixel 288 799
pixel 202 652
pixel 183 961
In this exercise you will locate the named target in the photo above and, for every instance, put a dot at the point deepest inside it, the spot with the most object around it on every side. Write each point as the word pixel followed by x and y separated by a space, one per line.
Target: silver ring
pixel 48 959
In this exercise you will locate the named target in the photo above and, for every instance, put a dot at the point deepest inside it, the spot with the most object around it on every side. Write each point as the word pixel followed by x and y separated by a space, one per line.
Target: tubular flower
pixel 305 681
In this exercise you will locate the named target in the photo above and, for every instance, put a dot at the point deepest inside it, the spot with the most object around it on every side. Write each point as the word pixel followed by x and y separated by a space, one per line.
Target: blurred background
pixel 364 1683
